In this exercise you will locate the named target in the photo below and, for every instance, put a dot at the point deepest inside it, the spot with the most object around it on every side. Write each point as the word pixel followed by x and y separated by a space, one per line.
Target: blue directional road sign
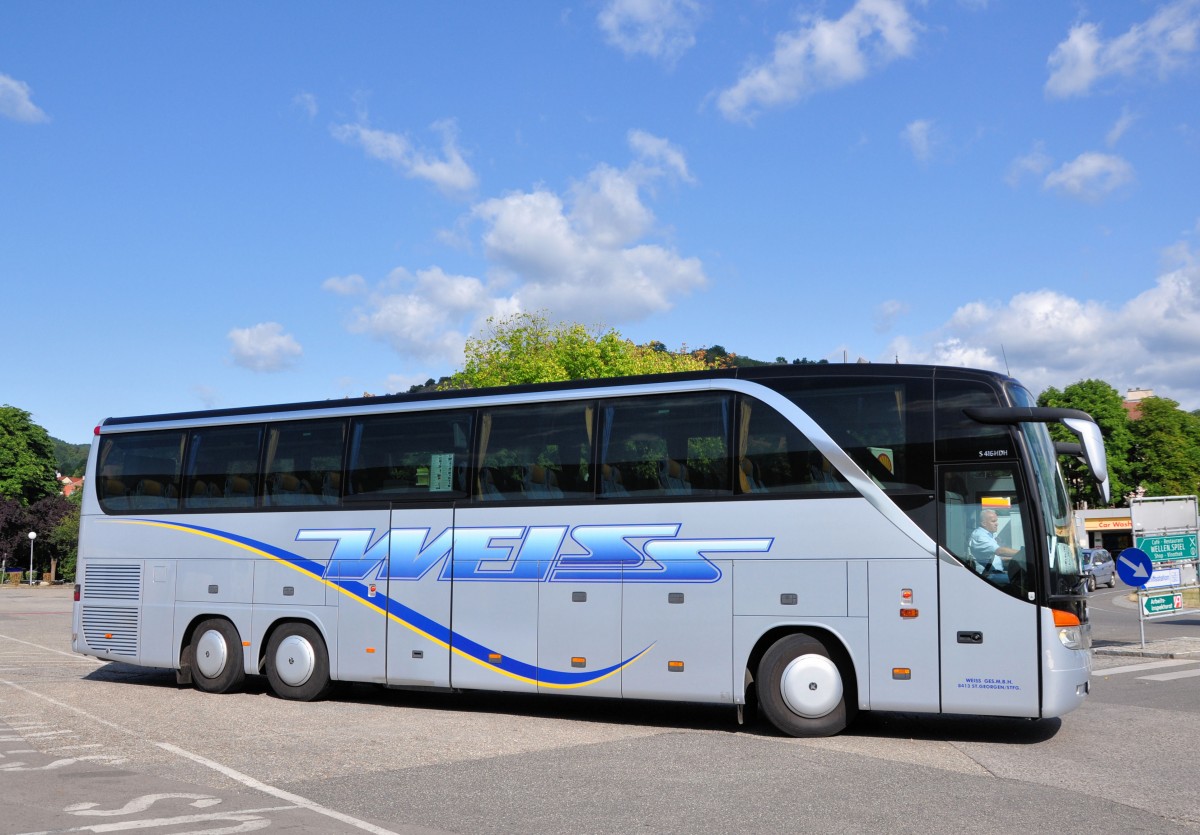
pixel 1134 567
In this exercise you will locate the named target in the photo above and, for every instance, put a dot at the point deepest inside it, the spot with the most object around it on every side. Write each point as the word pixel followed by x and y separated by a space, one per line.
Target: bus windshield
pixel 1062 551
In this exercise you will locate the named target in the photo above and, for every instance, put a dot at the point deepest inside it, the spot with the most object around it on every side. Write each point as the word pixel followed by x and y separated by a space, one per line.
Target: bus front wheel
pixel 801 689
pixel 297 662
pixel 216 659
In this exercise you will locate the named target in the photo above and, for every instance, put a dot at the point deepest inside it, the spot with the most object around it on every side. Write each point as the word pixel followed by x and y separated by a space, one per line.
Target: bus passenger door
pixel 354 587
pixel 989 639
pixel 495 570
pixel 418 592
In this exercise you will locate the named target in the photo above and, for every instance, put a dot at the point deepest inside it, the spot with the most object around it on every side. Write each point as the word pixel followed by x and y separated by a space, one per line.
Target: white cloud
pixel 918 135
pixel 585 255
pixel 345 285
pixel 306 102
pixel 886 313
pixel 450 172
pixel 823 54
pixel 658 153
pixel 1159 46
pixel 264 347
pixel 1123 124
pixel 1034 163
pixel 16 101
pixel 1047 338
pixel 586 260
pixel 422 316
pixel 661 29
pixel 1091 176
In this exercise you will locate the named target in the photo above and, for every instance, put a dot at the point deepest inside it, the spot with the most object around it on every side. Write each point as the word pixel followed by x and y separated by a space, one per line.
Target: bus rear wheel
pixel 801 689
pixel 297 663
pixel 216 660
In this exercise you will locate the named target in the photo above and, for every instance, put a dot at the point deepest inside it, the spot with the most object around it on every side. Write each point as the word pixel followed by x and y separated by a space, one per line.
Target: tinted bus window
pixel 886 427
pixel 958 437
pixel 671 445
pixel 411 457
pixel 222 467
pixel 140 471
pixel 535 453
pixel 304 463
pixel 773 456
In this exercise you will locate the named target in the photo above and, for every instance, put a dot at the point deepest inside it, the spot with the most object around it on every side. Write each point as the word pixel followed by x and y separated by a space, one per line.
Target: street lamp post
pixel 32 537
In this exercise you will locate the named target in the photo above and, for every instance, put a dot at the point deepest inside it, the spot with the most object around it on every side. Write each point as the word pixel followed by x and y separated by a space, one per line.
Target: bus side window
pixel 222 467
pixel 302 458
pixel 775 457
pixel 535 453
pixel 415 456
pixel 667 445
pixel 140 471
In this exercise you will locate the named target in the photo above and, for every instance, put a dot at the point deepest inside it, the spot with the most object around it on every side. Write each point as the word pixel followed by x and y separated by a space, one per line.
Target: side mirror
pixel 1093 449
pixel 1091 442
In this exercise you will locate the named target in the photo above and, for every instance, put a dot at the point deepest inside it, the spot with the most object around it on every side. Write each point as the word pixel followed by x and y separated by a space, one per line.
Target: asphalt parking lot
pixel 93 746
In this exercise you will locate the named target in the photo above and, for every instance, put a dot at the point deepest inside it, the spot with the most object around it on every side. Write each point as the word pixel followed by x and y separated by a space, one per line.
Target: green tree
pixel 64 538
pixel 1105 404
pixel 71 459
pixel 527 348
pixel 1166 449
pixel 27 463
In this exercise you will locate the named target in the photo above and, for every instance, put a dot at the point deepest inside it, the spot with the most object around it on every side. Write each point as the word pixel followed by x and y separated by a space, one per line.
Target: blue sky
pixel 228 204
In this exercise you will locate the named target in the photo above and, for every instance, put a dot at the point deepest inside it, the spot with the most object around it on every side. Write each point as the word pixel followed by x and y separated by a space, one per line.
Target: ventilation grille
pixel 111 629
pixel 116 582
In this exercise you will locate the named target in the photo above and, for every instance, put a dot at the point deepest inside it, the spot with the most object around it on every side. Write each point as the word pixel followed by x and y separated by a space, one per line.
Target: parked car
pixel 1099 568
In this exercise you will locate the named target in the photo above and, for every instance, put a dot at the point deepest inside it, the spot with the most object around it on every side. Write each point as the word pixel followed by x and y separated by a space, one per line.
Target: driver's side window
pixel 984 526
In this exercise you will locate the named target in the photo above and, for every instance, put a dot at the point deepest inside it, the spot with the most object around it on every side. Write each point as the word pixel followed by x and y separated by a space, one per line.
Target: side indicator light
pixel 902 673
pixel 108 635
pixel 494 657
pixel 578 662
pixel 245 643
pixel 675 666
pixel 370 650
pixel 906 597
pixel 909 613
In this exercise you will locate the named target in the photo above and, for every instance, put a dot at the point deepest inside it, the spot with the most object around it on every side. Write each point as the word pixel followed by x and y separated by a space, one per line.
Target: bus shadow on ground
pixel 685 716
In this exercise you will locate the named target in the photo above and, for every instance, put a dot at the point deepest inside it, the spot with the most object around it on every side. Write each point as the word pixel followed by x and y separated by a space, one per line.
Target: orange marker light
pixel 909 613
pixel 494 657
pixel 675 666
pixel 906 596
pixel 1062 618
pixel 370 650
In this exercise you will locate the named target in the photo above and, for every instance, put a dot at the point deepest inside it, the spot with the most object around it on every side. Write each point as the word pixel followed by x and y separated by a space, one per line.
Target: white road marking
pixel 1137 668
pixel 1172 676
pixel 245 779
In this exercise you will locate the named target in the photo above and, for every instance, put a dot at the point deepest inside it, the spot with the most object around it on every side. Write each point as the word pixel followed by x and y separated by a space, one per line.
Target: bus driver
pixel 989 555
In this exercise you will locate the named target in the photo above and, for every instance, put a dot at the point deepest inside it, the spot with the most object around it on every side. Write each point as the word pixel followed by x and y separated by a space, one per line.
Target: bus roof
pixel 752 373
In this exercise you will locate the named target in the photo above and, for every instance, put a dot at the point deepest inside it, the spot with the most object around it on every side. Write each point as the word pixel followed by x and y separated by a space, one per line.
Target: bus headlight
pixel 1070 630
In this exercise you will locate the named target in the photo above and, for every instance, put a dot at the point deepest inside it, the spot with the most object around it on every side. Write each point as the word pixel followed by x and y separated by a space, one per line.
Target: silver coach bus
pixel 799 535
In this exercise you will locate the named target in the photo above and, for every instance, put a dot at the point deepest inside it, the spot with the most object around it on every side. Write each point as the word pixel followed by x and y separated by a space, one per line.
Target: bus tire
pixel 801 688
pixel 297 662
pixel 215 657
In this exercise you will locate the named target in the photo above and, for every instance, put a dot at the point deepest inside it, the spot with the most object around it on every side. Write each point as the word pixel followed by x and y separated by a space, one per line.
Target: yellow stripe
pixel 389 615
